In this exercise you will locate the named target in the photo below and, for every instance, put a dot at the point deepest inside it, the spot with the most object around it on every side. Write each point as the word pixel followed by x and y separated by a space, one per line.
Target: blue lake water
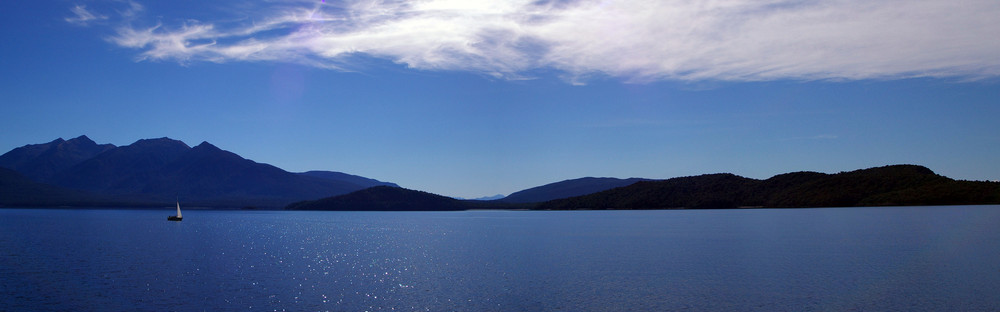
pixel 900 258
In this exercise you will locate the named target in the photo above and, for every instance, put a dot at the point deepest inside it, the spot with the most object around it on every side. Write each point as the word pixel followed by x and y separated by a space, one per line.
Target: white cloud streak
pixel 83 17
pixel 733 40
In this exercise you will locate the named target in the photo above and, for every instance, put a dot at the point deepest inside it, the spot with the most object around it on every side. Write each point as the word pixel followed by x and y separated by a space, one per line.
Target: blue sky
pixel 469 99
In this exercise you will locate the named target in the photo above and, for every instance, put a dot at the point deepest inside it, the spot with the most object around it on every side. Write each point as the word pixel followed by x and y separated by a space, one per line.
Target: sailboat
pixel 178 217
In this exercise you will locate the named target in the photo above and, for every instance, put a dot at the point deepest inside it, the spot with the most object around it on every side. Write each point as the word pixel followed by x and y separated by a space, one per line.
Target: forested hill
pixel 898 185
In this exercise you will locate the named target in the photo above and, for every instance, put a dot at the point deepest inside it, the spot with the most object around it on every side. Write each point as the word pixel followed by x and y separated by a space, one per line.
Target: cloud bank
pixel 638 40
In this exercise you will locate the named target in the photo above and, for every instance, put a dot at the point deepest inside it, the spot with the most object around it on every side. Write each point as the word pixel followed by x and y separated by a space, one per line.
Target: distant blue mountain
pixel 160 170
pixel 568 188
pixel 486 198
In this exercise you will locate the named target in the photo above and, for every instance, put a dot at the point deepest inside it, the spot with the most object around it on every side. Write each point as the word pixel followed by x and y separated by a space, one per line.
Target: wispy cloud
pixel 639 40
pixel 81 16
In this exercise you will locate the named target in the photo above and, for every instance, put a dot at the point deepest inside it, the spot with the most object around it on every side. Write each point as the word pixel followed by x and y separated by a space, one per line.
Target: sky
pixel 475 98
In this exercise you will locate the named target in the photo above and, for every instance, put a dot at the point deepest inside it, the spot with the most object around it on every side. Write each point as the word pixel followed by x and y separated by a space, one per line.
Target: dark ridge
pixel 383 198
pixel 209 175
pixel 566 189
pixel 363 182
pixel 897 185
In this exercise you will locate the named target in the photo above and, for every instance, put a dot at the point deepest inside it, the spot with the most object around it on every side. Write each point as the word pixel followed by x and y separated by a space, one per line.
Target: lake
pixel 878 259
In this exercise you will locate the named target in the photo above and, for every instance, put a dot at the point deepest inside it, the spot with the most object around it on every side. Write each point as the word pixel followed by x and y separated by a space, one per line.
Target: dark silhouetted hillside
pixel 121 170
pixel 566 189
pixel 882 186
pixel 17 190
pixel 383 198
pixel 704 191
pixel 846 189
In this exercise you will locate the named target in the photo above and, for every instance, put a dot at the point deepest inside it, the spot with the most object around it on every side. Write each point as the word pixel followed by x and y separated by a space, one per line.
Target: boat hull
pixel 174 218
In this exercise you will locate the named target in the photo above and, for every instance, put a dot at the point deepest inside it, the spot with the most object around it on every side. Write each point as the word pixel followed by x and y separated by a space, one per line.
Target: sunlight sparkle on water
pixel 808 259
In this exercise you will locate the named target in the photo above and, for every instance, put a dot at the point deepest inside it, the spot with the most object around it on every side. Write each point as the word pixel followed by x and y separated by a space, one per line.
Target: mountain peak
pixel 84 143
pixel 41 161
pixel 206 145
pixel 164 141
pixel 82 138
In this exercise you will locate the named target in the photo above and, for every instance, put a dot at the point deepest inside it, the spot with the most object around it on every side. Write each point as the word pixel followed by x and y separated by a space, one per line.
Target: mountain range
pixel 897 185
pixel 40 162
pixel 155 172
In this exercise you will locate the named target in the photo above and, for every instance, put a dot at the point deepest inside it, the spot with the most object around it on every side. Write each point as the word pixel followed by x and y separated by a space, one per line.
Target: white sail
pixel 178 209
